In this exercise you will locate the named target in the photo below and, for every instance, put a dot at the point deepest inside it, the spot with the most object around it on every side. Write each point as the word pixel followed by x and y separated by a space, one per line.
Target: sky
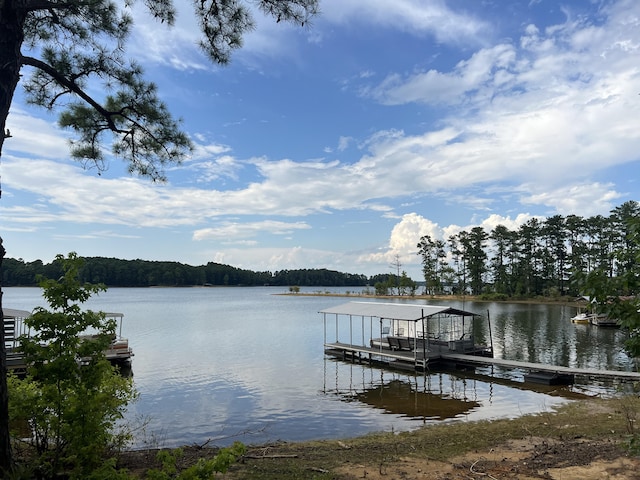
pixel 339 144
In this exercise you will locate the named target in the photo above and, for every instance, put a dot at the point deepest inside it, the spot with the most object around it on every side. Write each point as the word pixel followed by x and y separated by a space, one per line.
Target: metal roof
pixel 394 311
pixel 13 313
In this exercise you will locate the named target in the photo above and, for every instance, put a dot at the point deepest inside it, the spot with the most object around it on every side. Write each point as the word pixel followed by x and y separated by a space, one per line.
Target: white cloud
pixel 173 46
pixel 487 71
pixel 34 136
pixel 493 220
pixel 233 231
pixel 177 46
pixel 281 258
pixel 405 236
pixel 417 17
pixel 589 199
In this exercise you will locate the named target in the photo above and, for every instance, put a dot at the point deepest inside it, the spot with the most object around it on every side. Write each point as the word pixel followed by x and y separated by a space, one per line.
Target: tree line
pixel 115 272
pixel 542 257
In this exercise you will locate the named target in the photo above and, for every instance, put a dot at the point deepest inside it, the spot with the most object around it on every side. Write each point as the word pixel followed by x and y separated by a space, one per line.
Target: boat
pixel 582 317
pixel 594 318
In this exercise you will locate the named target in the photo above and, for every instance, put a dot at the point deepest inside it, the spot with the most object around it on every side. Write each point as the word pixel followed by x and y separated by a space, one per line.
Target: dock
pixel 407 340
pixel 118 353
pixel 540 367
pixel 406 360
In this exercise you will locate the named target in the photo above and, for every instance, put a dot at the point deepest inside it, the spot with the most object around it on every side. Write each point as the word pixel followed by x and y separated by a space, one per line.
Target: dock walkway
pixel 541 367
pixel 417 360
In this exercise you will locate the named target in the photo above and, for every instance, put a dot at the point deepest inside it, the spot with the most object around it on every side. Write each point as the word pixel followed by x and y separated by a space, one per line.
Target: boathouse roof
pixel 11 313
pixel 394 311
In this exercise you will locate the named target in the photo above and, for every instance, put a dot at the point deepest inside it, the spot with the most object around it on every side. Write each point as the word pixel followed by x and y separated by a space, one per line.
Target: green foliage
pixel 433 263
pixel 618 295
pixel 382 288
pixel 494 297
pixel 201 470
pixel 72 398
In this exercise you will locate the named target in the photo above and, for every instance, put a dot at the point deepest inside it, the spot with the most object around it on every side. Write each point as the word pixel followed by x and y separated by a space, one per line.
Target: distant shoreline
pixel 445 298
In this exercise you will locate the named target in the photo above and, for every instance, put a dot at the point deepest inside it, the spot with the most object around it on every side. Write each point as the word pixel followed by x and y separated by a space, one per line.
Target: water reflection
pixel 425 397
pixel 437 396
pixel 402 398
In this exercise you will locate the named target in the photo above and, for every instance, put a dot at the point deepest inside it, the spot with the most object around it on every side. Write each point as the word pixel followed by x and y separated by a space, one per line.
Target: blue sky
pixel 338 145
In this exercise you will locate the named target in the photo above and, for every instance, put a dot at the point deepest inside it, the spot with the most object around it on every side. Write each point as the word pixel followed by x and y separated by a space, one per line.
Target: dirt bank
pixel 582 440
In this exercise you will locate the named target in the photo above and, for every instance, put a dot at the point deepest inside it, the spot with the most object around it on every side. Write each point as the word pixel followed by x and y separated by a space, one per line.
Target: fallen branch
pixel 260 457
pixel 480 473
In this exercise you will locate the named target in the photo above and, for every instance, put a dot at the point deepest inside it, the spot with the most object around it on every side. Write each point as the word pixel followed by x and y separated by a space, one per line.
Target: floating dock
pixel 416 337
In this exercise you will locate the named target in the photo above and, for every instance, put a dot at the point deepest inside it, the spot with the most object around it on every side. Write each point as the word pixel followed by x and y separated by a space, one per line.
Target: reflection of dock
pixel 436 396
pixel 400 398
pixel 411 337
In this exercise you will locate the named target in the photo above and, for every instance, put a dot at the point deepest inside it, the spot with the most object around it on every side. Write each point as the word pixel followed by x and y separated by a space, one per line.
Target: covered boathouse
pixel 399 335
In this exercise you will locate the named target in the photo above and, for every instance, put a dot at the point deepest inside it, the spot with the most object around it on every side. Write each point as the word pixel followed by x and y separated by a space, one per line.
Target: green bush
pixel 72 397
pixel 201 470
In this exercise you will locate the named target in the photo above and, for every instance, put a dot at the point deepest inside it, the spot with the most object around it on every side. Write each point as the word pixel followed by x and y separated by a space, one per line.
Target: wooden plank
pixel 589 372
pixel 404 355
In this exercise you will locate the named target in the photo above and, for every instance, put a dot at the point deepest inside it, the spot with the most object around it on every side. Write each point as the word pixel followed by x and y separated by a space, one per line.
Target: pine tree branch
pixel 74 88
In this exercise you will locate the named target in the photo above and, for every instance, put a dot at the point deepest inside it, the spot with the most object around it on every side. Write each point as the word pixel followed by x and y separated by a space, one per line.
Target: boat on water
pixel 597 319
pixel 119 352
pixel 582 317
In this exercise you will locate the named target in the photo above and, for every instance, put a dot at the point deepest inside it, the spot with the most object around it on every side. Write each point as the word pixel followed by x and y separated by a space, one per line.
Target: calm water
pixel 246 364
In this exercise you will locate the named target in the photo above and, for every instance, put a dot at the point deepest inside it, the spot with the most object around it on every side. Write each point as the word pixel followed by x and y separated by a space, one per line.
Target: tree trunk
pixel 6 462
pixel 12 17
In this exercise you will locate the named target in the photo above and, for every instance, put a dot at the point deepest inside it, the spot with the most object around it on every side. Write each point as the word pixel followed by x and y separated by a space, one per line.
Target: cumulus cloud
pixel 405 235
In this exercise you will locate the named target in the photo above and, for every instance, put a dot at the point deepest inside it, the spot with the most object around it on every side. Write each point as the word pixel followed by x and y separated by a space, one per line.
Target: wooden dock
pixel 539 367
pixel 376 356
pixel 417 361
pixel 118 352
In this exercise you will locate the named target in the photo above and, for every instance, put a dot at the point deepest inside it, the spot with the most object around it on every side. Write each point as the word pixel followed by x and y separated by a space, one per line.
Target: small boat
pixel 582 318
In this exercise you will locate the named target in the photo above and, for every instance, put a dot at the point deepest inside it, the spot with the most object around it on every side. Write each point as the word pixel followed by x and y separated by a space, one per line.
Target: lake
pixel 225 364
